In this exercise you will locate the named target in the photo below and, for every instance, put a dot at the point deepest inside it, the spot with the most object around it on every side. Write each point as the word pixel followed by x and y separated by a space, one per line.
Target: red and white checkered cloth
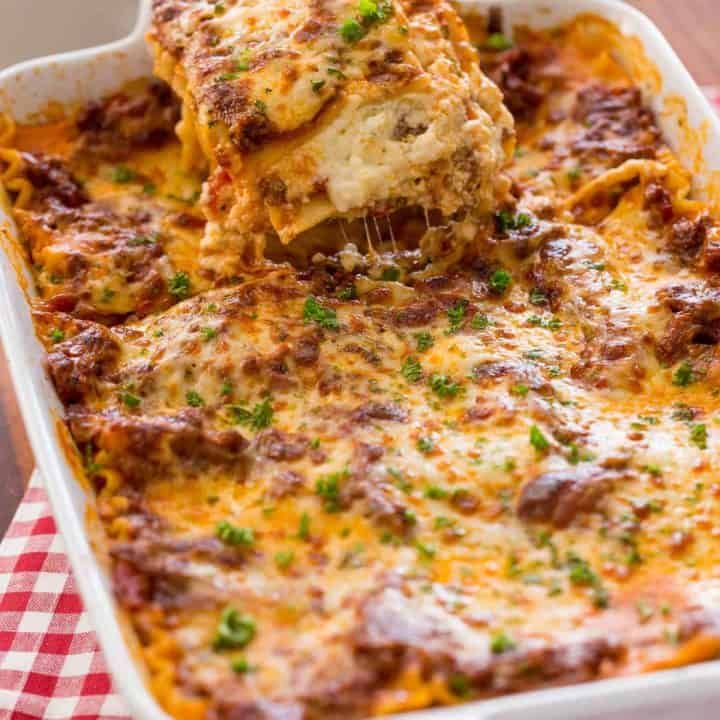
pixel 51 667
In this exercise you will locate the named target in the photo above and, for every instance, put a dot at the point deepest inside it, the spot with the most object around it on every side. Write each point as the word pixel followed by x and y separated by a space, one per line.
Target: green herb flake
pixel 241 666
pixel 412 370
pixel 684 375
pixel 57 335
pixel 500 643
pixel 425 551
pixel 317 85
pixel 536 296
pixel 328 488
pixel 505 221
pixel 193 399
pixel 352 31
pixel 456 316
pixel 390 274
pixel 129 400
pixel 304 527
pixel 444 387
pixel 500 281
pixel 208 333
pixel 699 435
pixel 498 42
pixel 435 492
pixel 538 440
pixel 480 322
pixel 423 341
pixel 425 445
pixel 122 174
pixel 284 559
pixel 326 318
pixel 234 535
pixel 259 418
pixel 234 630
pixel 459 685
pixel 179 285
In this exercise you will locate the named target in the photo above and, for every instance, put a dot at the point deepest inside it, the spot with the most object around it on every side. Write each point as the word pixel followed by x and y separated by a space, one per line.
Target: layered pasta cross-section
pixel 335 113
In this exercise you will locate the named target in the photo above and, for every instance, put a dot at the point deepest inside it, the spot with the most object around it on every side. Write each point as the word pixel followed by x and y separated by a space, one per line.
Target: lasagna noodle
pixel 299 120
pixel 12 164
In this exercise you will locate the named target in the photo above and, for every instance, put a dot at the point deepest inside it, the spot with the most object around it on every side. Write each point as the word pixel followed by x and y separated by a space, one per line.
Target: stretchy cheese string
pixel 12 176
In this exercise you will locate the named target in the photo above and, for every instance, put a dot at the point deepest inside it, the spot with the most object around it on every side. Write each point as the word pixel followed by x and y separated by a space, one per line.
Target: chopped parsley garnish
pixel 226 388
pixel 618 284
pixel 500 281
pixel 259 418
pixel 574 173
pixel 425 445
pixel 123 174
pixel 684 375
pixel 326 318
pixel 536 296
pixel 193 398
pixel 425 551
pixel 500 642
pixel 351 31
pixel 234 630
pixel 179 285
pixel 347 293
pixel 337 73
pixel 107 294
pixel 142 240
pixel 435 492
pixel 317 85
pixel 498 42
pixel 520 389
pixel 261 107
pixel 242 666
pixel 328 488
pixel 208 333
pixel 443 386
pixel 424 341
pixel 234 535
pixel 304 527
pixel 699 435
pixel 130 400
pixel 57 335
pixel 456 316
pixel 390 274
pixel 412 370
pixel 507 221
pixel 479 322
pixel 580 573
pixel 549 324
pixel 459 685
pixel 538 440
pixel 284 559
pixel 683 412
pixel 149 188
pixel 372 12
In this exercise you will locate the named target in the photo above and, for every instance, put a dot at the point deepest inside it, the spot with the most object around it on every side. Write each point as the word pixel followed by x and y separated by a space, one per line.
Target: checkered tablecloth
pixel 51 667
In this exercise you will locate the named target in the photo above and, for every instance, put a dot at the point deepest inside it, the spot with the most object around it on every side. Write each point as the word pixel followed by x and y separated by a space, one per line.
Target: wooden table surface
pixel 693 28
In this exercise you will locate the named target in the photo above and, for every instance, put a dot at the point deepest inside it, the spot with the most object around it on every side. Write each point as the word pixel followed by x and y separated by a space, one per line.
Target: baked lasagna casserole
pixel 450 430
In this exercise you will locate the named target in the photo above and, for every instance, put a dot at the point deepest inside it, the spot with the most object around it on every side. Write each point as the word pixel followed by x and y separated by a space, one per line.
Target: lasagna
pixel 331 489
pixel 311 114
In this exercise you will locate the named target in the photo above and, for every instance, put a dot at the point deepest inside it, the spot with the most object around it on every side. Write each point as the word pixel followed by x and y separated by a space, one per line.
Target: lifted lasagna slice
pixel 305 113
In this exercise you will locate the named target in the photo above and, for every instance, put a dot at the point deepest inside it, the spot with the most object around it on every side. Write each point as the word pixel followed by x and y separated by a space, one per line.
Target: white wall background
pixel 32 28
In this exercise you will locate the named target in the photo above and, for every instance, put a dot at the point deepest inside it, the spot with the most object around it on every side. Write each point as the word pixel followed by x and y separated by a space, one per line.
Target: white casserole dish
pixel 76 77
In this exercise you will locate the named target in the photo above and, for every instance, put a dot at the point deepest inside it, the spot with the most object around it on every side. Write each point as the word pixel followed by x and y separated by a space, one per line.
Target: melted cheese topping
pixel 375 484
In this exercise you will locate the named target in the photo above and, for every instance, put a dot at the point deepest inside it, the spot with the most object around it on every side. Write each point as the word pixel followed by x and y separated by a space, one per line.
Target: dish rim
pixel 684 686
